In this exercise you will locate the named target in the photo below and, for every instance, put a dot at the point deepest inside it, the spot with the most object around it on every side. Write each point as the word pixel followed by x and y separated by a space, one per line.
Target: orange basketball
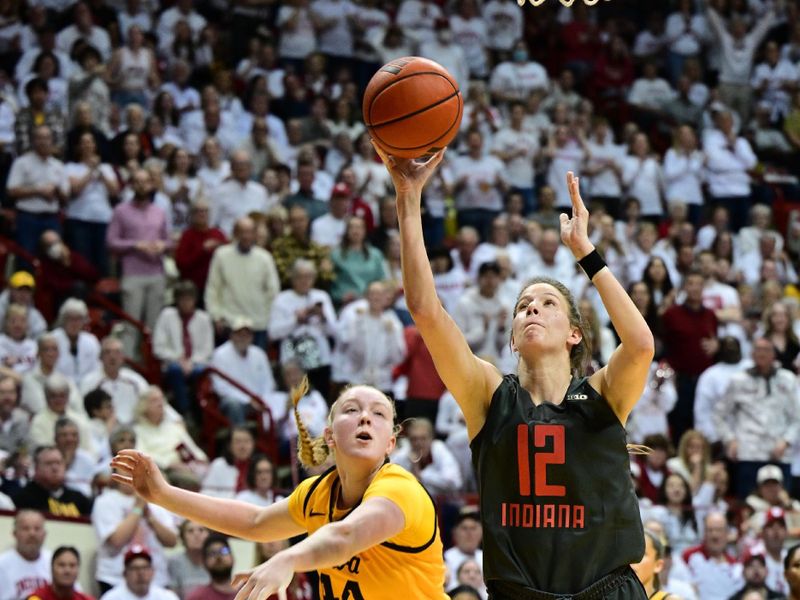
pixel 412 107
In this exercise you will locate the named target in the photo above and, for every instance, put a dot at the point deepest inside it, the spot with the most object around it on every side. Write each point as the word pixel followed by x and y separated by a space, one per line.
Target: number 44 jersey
pixel 409 565
pixel 557 503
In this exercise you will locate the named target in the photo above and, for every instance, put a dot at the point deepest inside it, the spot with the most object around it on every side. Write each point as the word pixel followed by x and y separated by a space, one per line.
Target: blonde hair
pixel 312 452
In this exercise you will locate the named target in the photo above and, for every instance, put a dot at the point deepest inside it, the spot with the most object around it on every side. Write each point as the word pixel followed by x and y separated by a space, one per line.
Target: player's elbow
pixel 642 345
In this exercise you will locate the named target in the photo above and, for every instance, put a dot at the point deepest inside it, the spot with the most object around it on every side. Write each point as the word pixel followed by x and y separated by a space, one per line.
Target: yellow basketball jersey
pixel 408 566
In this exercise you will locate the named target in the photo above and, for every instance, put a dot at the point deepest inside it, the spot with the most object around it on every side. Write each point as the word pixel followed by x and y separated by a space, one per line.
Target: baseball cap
pixel 756 553
pixel 340 189
pixel 137 551
pixel 775 515
pixel 468 512
pixel 241 323
pixel 769 473
pixel 22 279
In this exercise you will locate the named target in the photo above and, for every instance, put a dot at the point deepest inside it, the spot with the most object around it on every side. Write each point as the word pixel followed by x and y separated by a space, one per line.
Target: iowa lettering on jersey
pixel 537 514
pixel 351 590
pixel 61 509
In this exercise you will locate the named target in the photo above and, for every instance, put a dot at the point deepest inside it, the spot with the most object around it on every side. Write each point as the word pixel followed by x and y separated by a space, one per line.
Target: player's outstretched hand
pixel 407 174
pixel 272 577
pixel 138 471
pixel 575 229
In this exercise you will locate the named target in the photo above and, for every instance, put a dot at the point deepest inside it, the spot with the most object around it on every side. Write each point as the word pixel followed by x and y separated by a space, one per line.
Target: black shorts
pixel 620 585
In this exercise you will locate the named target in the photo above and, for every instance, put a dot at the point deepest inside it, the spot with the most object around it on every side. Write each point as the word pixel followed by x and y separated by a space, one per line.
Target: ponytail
pixel 311 452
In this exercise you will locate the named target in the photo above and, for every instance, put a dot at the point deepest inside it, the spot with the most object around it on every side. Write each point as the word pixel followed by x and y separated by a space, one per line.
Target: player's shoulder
pixel 396 483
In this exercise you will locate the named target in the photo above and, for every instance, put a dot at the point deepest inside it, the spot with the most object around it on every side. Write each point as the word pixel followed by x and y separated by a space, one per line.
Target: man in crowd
pixel 218 560
pixel 46 491
pixel 26 566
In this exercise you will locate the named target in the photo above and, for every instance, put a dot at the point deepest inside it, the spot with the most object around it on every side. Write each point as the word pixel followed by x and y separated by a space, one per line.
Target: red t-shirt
pixel 46 593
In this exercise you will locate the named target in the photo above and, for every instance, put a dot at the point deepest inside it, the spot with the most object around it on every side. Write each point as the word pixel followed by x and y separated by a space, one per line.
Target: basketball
pixel 412 107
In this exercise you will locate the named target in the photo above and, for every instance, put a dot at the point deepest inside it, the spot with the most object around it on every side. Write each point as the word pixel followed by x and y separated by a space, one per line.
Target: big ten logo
pixel 351 565
pixel 543 436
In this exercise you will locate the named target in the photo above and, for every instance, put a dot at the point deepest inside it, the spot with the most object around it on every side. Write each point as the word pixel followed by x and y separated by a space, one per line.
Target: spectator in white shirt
pixel 428 459
pixel 566 153
pixel 373 340
pixel 451 56
pixel 246 364
pixel 123 384
pixel 518 149
pixel 649 416
pixel 302 320
pixel 332 19
pixel 84 29
pixel 140 576
pixel 42 432
pixel 467 538
pixel 641 175
pixel 26 566
pixel 470 32
pixel 328 229
pixel 483 316
pixel 418 18
pixel 78 350
pixel 182 11
pixel 603 167
pixel 260 482
pixel 517 78
pixel 238 196
pixel 737 52
pixel 774 80
pixel 650 92
pixel 713 384
pixel 729 158
pixel 183 340
pixel 714 572
pixel 683 169
pixel 80 465
pixel 17 350
pixel 32 397
pixel 505 25
pixel 686 32
pixel 227 474
pixel 20 290
pixel 298 38
pixel 479 185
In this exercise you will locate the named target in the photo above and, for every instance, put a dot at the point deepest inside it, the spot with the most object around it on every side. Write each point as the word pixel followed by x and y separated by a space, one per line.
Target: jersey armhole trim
pixel 426 545
pixel 314 486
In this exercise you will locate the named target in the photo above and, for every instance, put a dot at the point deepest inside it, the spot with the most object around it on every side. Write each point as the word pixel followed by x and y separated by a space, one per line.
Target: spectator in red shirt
pixel 197 246
pixel 218 561
pixel 65 273
pixel 424 384
pixel 66 563
pixel 613 75
pixel 690 343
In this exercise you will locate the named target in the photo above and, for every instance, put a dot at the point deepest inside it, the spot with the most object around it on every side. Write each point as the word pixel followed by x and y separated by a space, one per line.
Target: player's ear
pixel 327 435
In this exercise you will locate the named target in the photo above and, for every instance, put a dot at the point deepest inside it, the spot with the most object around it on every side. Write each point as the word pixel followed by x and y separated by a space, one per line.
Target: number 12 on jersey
pixel 557 456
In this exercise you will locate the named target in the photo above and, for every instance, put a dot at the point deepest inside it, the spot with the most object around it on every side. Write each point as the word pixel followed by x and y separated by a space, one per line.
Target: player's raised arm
pixel 622 380
pixel 232 517
pixel 470 379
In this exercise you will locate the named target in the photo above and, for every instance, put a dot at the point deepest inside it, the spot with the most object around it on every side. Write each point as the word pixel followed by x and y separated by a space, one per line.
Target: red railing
pixel 214 420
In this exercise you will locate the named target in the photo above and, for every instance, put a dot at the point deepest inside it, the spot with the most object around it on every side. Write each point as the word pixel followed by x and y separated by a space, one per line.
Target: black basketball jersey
pixel 557 502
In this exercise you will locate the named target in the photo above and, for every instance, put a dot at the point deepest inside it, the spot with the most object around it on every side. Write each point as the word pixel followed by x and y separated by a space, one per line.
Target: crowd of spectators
pixel 210 157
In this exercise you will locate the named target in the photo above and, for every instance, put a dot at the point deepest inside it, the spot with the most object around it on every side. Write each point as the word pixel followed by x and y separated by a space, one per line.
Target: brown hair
pixel 581 353
pixel 312 452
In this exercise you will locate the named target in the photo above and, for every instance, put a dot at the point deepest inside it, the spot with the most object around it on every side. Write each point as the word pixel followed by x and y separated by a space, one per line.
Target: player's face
pixel 541 320
pixel 362 426
pixel 65 570
pixel 646 568
pixel 792 574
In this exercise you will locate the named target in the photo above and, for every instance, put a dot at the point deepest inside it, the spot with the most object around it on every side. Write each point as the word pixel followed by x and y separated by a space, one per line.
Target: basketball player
pixel 372 527
pixel 651 565
pixel 548 445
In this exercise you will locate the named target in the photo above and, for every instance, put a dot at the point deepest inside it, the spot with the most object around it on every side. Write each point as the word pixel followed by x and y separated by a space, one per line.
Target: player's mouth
pixel 364 436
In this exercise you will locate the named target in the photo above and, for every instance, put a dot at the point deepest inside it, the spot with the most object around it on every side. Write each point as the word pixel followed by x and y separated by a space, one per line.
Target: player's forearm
pixel 327 547
pixel 231 517
pixel 418 283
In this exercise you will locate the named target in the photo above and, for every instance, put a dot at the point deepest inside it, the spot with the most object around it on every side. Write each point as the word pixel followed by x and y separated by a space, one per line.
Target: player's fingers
pixel 564 219
pixel 122 479
pixel 244 592
pixel 241 578
pixel 387 159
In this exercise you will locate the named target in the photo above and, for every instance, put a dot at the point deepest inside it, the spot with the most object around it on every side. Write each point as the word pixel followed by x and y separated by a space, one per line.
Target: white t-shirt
pixel 473 37
pixel 84 361
pixel 683 176
pixel 110 509
pixel 642 177
pixel 31 170
pixel 233 200
pixel 519 170
pixel 504 21
pixel 300 41
pixel 337 40
pixel 18 355
pixel 327 230
pixel 481 175
pixel 19 577
pixel 605 183
pixel 93 203
pixel 124 390
pixel 567 158
pixel 519 79
pixel 252 497
pixel 156 592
